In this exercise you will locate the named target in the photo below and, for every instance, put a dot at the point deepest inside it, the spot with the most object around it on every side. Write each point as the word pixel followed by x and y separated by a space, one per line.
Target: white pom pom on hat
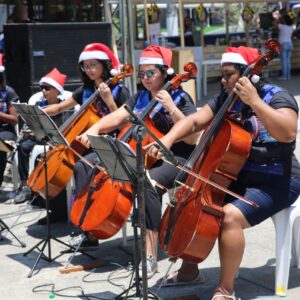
pixel 157 55
pixel 255 79
pixel 101 52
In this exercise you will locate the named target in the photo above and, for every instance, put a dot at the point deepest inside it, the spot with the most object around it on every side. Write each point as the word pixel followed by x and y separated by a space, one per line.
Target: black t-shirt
pixel 269 157
pixel 161 118
pixel 7 96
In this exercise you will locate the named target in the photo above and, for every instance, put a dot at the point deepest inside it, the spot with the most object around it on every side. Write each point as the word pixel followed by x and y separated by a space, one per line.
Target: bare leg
pixel 151 243
pixel 231 247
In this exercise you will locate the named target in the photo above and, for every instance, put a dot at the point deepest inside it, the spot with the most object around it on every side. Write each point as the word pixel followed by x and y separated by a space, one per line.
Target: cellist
pixel 154 71
pixel 97 63
pixel 270 176
pixel 52 92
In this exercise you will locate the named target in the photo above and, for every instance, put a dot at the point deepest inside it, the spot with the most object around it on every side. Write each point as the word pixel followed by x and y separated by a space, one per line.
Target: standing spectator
pixel 189 31
pixel 8 116
pixel 285 27
pixel 19 14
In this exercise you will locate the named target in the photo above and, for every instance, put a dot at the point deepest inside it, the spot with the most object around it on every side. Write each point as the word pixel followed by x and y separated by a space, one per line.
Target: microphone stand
pixel 133 172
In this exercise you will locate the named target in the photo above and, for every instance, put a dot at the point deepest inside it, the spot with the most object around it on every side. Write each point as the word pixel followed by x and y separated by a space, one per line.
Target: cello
pixel 61 159
pixel 104 210
pixel 190 227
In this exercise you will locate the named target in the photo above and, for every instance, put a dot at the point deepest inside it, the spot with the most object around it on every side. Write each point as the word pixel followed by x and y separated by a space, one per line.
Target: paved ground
pixel 256 276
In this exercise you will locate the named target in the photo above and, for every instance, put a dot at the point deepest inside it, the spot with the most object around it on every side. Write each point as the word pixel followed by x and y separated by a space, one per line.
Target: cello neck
pixel 82 109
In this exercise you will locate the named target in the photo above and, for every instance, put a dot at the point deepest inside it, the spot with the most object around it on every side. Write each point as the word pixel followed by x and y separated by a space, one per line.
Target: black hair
pixel 87 82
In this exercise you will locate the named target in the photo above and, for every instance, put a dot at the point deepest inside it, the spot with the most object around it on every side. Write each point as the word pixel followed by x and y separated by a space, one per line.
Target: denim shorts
pixel 271 193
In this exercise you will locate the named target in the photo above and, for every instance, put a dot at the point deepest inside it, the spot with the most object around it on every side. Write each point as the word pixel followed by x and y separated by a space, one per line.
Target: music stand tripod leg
pixel 47 240
pixel 4 226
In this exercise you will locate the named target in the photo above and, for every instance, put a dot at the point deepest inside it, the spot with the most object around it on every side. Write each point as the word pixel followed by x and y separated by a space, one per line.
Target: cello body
pixel 61 160
pixel 191 229
pixel 110 203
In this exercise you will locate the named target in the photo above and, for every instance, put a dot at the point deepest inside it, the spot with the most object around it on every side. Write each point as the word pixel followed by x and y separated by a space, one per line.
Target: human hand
pixel 83 138
pixel 153 149
pixel 246 91
pixel 105 92
pixel 166 100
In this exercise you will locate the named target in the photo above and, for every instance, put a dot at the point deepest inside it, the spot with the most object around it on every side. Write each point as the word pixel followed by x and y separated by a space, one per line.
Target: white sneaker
pixel 151 265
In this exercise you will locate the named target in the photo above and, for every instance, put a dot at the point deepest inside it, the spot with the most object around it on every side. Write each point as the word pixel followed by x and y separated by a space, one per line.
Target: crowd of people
pixel 264 114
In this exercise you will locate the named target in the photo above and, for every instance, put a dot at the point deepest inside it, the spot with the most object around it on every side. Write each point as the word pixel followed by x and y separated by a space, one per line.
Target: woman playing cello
pixel 270 177
pixel 154 71
pixel 97 64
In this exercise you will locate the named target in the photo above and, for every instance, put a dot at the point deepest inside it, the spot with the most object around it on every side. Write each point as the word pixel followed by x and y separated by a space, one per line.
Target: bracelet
pixel 173 111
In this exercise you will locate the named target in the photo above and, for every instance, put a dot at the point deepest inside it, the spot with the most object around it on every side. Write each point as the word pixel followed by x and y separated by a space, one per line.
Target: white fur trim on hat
pixel 85 55
pixel 53 83
pixel 234 58
pixel 2 69
pixel 113 72
pixel 152 61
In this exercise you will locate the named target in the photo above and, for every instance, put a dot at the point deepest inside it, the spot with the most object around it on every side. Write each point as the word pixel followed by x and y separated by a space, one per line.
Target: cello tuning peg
pixel 255 79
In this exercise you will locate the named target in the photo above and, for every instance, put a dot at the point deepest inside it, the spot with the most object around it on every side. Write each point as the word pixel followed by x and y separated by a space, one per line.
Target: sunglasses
pixel 148 74
pixel 47 88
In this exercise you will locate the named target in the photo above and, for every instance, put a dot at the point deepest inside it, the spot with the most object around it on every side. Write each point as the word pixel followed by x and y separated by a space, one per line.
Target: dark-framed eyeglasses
pixel 149 73
pixel 91 66
pixel 47 88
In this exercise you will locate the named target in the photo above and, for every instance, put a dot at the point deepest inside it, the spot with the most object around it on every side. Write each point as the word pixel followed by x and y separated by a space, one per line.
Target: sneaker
pixel 23 196
pixel 86 243
pixel 152 267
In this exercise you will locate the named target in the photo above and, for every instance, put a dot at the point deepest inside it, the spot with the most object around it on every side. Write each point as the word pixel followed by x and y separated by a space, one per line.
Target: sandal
pixel 171 280
pixel 222 292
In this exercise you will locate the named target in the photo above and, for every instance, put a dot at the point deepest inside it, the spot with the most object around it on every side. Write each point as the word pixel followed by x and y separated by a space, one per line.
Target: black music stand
pixel 125 166
pixel 6 146
pixel 4 226
pixel 46 131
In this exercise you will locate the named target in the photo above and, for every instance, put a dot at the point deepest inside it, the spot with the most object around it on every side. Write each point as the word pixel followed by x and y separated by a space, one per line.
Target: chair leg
pixel 296 243
pixel 283 251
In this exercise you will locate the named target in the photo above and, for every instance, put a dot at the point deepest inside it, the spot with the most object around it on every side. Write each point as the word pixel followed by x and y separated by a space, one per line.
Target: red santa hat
pixel 101 52
pixel 156 55
pixel 55 79
pixel 240 55
pixel 2 69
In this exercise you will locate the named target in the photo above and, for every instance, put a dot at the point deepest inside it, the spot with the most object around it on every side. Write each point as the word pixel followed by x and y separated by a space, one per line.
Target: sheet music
pixel 40 123
pixel 117 157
